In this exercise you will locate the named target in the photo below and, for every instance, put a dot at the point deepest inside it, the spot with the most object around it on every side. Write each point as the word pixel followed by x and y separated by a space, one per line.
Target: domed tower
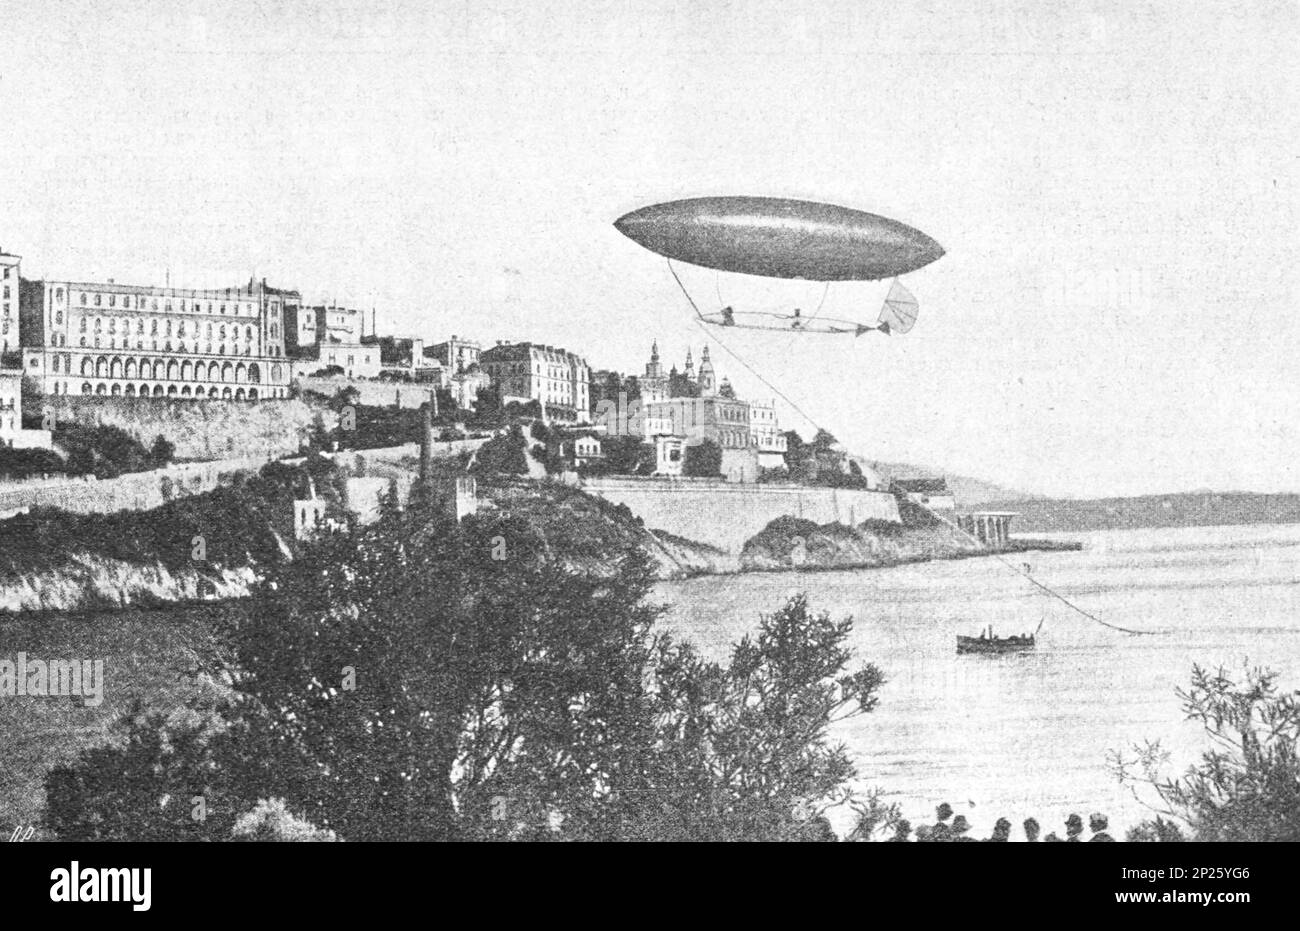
pixel 654 384
pixel 653 368
pixel 707 382
pixel 689 371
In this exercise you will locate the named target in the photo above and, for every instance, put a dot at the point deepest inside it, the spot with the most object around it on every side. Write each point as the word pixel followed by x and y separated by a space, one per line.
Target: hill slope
pixel 968 491
pixel 1194 509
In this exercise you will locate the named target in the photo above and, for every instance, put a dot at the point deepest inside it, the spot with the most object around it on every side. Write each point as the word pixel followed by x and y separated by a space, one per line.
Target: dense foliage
pixel 23 463
pixel 424 680
pixel 238 524
pixel 503 454
pixel 703 460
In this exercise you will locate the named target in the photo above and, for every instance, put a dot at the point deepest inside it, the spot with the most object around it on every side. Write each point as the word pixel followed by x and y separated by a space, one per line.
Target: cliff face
pixel 200 429
pixel 583 531
pixel 89 583
pixel 791 543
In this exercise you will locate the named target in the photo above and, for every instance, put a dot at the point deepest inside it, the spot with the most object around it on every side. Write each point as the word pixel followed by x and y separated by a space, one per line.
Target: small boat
pixel 986 642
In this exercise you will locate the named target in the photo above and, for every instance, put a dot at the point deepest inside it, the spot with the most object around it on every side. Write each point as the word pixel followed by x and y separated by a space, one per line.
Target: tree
pixel 472 676
pixel 798 457
pixel 1247 785
pixel 745 751
pixel 503 454
pixel 448 409
pixel 162 452
pixel 168 776
pixel 20 463
pixel 320 438
pixel 628 455
pixel 105 450
pixel 703 460
pixel 824 441
pixel 347 396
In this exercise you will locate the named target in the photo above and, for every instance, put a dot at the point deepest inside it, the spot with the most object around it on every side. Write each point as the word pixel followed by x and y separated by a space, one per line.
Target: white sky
pixel 1115 185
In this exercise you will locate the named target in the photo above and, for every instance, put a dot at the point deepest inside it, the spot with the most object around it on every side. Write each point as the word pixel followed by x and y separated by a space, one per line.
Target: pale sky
pixel 1115 185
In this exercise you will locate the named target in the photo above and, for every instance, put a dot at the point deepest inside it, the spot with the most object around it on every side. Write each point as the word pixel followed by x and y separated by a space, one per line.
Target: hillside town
pixel 146 358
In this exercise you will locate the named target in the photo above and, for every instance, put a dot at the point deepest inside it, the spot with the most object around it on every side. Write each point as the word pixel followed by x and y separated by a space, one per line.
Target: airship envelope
pixel 779 238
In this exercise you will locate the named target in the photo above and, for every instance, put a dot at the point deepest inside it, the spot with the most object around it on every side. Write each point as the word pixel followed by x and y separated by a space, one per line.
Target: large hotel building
pixel 109 339
pixel 534 372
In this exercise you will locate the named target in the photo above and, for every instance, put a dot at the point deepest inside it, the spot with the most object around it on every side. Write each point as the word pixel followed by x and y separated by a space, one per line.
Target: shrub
pixel 1246 787
pixel 703 460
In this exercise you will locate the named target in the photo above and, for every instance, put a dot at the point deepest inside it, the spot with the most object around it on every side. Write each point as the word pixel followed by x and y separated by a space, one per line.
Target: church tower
pixel 689 371
pixel 708 384
pixel 654 369
pixel 654 385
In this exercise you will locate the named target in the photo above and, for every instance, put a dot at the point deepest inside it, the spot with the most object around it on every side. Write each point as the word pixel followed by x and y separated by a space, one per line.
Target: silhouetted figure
pixel 901 830
pixel 1032 830
pixel 798 319
pixel 1073 828
pixel 942 831
pixel 959 828
pixel 728 317
pixel 1098 824
pixel 1001 832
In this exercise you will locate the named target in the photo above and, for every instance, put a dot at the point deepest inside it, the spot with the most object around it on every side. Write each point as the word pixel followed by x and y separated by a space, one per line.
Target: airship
pixel 777 237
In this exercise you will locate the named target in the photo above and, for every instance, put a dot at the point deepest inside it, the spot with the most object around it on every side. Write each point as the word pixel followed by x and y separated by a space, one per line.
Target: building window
pixel 83 298
pixel 97 299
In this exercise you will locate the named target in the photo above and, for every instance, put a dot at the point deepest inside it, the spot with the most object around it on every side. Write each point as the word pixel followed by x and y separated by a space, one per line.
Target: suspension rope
pixel 825 291
pixel 702 324
pixel 1033 581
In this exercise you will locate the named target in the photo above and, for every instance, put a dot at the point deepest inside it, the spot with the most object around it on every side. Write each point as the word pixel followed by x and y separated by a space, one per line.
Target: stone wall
pixel 200 429
pixel 726 514
pixel 133 492
pixel 371 393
